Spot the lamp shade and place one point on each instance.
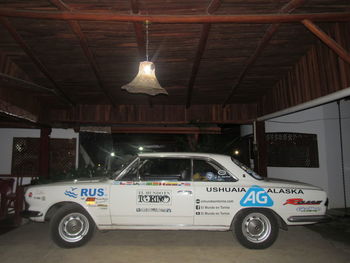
(145, 81)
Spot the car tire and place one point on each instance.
(71, 226)
(256, 228)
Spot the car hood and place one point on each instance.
(74, 181)
(272, 182)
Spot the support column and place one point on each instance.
(260, 149)
(44, 152)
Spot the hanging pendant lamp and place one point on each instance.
(145, 81)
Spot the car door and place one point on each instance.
(154, 191)
(216, 194)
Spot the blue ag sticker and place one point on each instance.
(256, 196)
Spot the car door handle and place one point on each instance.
(185, 192)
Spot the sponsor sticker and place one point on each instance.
(71, 192)
(91, 192)
(152, 183)
(161, 197)
(90, 201)
(153, 210)
(300, 201)
(256, 197)
(310, 209)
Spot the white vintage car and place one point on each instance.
(177, 191)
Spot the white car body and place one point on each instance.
(181, 205)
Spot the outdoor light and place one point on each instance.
(236, 152)
(141, 148)
(112, 154)
(145, 81)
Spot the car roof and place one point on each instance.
(183, 154)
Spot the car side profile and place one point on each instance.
(177, 191)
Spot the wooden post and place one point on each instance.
(261, 149)
(44, 152)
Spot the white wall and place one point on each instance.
(322, 121)
(6, 143)
(6, 140)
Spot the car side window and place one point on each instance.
(132, 173)
(169, 169)
(209, 171)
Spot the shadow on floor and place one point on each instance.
(336, 230)
(6, 225)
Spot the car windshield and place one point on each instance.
(123, 165)
(247, 169)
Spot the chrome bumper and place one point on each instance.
(309, 219)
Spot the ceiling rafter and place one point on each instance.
(57, 89)
(213, 6)
(331, 43)
(177, 19)
(25, 83)
(264, 41)
(75, 27)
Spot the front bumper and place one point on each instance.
(310, 219)
(28, 214)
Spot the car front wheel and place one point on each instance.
(256, 228)
(71, 226)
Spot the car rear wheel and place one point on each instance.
(256, 228)
(71, 226)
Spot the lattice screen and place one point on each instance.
(25, 156)
(62, 155)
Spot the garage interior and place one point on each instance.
(247, 75)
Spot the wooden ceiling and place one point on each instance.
(59, 54)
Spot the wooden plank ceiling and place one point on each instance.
(58, 64)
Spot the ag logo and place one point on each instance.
(256, 196)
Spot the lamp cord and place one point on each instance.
(147, 40)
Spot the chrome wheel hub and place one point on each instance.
(256, 227)
(73, 227)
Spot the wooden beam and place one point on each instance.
(134, 6)
(17, 112)
(75, 27)
(140, 39)
(13, 32)
(197, 59)
(213, 6)
(25, 83)
(261, 150)
(176, 19)
(139, 32)
(331, 43)
(167, 130)
(44, 152)
(271, 30)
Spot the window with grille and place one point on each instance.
(25, 156)
(292, 149)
